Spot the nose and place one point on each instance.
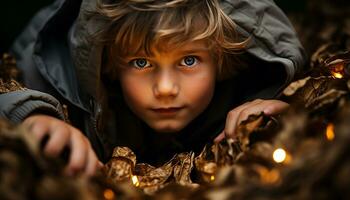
(166, 84)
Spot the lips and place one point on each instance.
(167, 111)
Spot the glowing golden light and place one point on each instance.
(279, 155)
(108, 194)
(135, 181)
(330, 132)
(269, 176)
(212, 178)
(337, 68)
(337, 75)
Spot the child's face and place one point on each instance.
(168, 89)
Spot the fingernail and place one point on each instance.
(267, 111)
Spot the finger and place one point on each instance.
(275, 107)
(220, 137)
(231, 121)
(59, 138)
(39, 130)
(92, 163)
(29, 121)
(254, 108)
(235, 116)
(100, 165)
(79, 153)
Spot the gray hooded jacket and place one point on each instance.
(61, 66)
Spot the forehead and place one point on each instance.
(186, 46)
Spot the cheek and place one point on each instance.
(200, 89)
(134, 90)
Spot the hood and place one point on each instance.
(273, 37)
(273, 40)
(43, 48)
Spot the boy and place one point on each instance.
(156, 76)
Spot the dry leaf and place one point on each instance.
(324, 100)
(205, 165)
(183, 168)
(155, 178)
(293, 87)
(9, 75)
(253, 124)
(121, 166)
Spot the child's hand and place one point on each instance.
(241, 113)
(82, 158)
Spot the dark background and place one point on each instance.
(14, 15)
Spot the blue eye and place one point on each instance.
(189, 61)
(140, 63)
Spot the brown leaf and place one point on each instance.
(324, 100)
(154, 178)
(121, 165)
(205, 165)
(9, 75)
(124, 152)
(119, 169)
(294, 86)
(247, 127)
(303, 91)
(183, 168)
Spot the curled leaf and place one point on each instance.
(326, 99)
(183, 168)
(293, 87)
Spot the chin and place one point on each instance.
(168, 128)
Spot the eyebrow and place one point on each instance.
(186, 50)
(140, 54)
(189, 51)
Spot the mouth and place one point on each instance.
(167, 111)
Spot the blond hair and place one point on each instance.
(135, 25)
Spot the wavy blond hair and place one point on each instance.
(136, 25)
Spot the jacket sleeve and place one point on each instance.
(17, 105)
